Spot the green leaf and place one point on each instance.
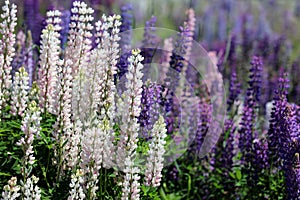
(238, 174)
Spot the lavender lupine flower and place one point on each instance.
(151, 99)
(7, 50)
(49, 58)
(20, 92)
(130, 110)
(155, 159)
(11, 190)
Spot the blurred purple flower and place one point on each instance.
(33, 19)
(148, 45)
(234, 90)
(65, 27)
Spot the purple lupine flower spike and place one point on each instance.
(204, 120)
(260, 155)
(254, 90)
(228, 153)
(150, 102)
(279, 102)
(249, 115)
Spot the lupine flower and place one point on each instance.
(289, 138)
(73, 146)
(7, 50)
(78, 51)
(20, 92)
(49, 58)
(155, 159)
(261, 159)
(91, 159)
(189, 35)
(227, 153)
(11, 190)
(79, 42)
(279, 103)
(105, 55)
(31, 191)
(130, 110)
(249, 115)
(204, 120)
(63, 128)
(151, 99)
(76, 185)
(31, 128)
(173, 78)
